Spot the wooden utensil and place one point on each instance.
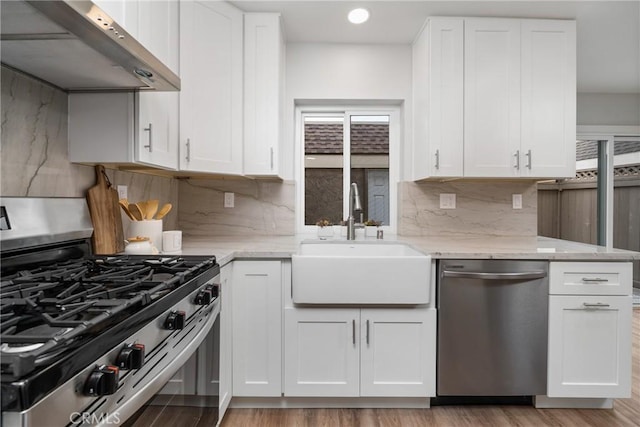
(135, 210)
(142, 205)
(102, 199)
(152, 208)
(164, 211)
(124, 204)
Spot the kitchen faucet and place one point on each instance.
(354, 205)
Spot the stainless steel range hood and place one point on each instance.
(76, 46)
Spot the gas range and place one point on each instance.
(89, 339)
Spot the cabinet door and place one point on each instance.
(157, 125)
(257, 328)
(263, 84)
(157, 129)
(548, 98)
(211, 93)
(226, 343)
(492, 98)
(398, 355)
(158, 30)
(438, 99)
(322, 352)
(446, 97)
(589, 346)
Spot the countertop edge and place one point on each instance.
(230, 249)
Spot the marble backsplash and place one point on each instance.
(483, 208)
(33, 162)
(33, 151)
(261, 207)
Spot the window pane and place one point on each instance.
(370, 165)
(323, 173)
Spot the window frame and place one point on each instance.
(394, 113)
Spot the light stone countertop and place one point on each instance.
(228, 248)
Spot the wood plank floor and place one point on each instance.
(626, 412)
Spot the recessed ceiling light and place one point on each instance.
(358, 16)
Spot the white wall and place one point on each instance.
(609, 109)
(346, 72)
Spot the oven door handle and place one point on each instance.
(538, 274)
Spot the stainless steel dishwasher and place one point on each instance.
(492, 328)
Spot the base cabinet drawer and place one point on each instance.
(589, 346)
(590, 278)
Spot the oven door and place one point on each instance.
(166, 352)
(191, 380)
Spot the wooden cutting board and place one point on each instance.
(108, 237)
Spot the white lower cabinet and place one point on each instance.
(589, 346)
(590, 311)
(398, 352)
(360, 352)
(226, 340)
(322, 352)
(257, 328)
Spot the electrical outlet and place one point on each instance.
(447, 201)
(517, 201)
(122, 192)
(229, 200)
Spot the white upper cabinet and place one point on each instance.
(263, 93)
(211, 94)
(438, 59)
(491, 97)
(139, 128)
(509, 111)
(548, 98)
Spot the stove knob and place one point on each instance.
(131, 357)
(175, 320)
(102, 381)
(204, 297)
(215, 291)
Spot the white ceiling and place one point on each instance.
(608, 31)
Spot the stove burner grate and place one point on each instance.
(58, 305)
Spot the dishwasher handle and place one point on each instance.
(538, 274)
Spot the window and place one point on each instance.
(341, 147)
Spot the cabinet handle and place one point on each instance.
(594, 280)
(528, 159)
(353, 331)
(595, 305)
(495, 276)
(367, 331)
(517, 156)
(150, 146)
(188, 150)
(271, 158)
(437, 159)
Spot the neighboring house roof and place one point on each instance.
(589, 149)
(366, 138)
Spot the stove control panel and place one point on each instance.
(102, 381)
(175, 320)
(131, 357)
(208, 294)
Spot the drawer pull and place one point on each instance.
(594, 280)
(595, 305)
